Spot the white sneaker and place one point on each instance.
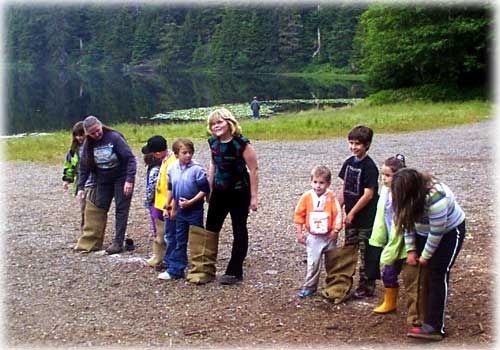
(165, 276)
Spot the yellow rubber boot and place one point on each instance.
(390, 301)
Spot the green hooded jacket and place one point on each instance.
(392, 243)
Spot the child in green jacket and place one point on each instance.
(394, 253)
(384, 236)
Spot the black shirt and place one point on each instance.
(358, 175)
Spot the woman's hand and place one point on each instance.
(128, 187)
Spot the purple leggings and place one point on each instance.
(155, 213)
(391, 273)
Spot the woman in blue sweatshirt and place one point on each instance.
(107, 155)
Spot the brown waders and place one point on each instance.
(203, 247)
(94, 226)
(415, 279)
(159, 246)
(340, 265)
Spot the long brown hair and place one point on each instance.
(409, 188)
(77, 131)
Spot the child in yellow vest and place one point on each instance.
(157, 145)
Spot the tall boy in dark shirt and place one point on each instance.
(359, 196)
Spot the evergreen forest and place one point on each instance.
(394, 46)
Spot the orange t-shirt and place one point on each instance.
(321, 214)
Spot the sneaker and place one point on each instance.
(165, 276)
(425, 332)
(306, 292)
(229, 279)
(114, 248)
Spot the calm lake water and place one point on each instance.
(47, 100)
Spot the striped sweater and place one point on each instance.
(441, 214)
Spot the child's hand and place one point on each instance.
(422, 261)
(411, 259)
(167, 212)
(301, 238)
(253, 204)
(65, 186)
(183, 203)
(81, 195)
(335, 235)
(348, 219)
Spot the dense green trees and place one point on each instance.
(239, 38)
(395, 46)
(415, 45)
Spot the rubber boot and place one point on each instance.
(203, 246)
(159, 246)
(416, 283)
(340, 265)
(93, 228)
(390, 301)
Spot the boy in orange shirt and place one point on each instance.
(320, 212)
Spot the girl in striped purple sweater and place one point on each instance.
(427, 211)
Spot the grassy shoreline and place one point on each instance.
(304, 125)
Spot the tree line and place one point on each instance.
(395, 46)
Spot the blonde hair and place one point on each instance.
(223, 113)
(322, 172)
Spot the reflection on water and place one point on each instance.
(45, 100)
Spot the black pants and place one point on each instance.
(440, 265)
(104, 194)
(236, 203)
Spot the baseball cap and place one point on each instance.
(155, 143)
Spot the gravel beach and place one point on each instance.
(55, 297)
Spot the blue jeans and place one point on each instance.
(256, 114)
(176, 256)
(169, 231)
